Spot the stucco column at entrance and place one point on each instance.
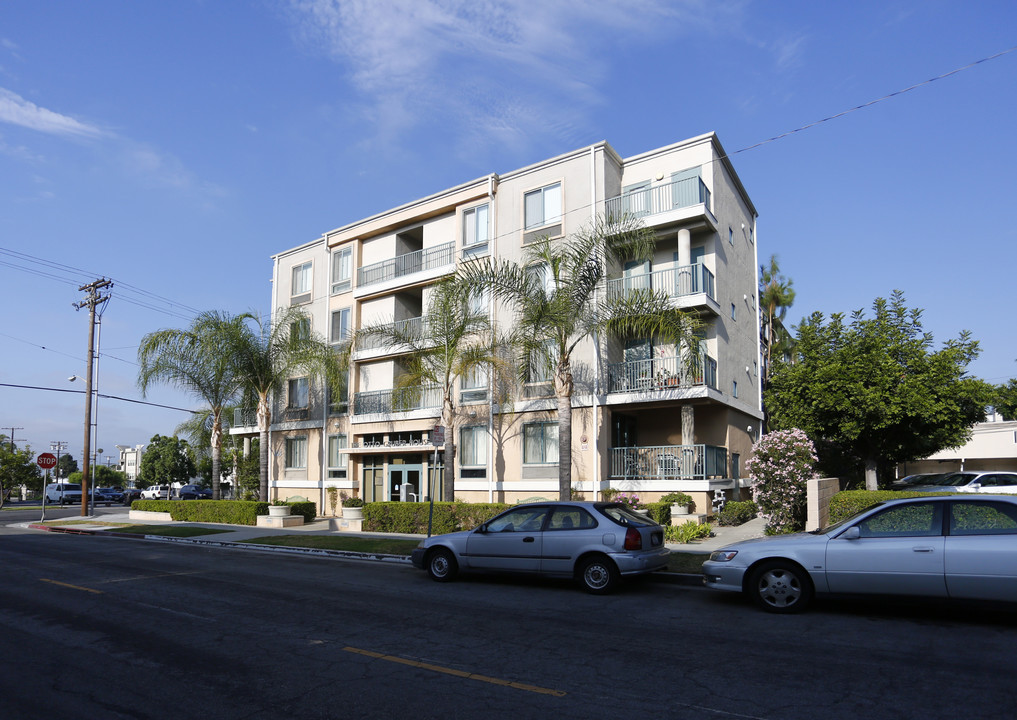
(688, 425)
(684, 248)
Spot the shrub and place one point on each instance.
(687, 532)
(660, 512)
(631, 501)
(353, 502)
(737, 513)
(410, 517)
(845, 504)
(677, 498)
(780, 465)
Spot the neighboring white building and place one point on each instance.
(639, 423)
(130, 461)
(993, 446)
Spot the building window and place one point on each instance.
(340, 325)
(734, 388)
(296, 453)
(300, 286)
(342, 270)
(300, 329)
(479, 302)
(337, 461)
(298, 393)
(543, 206)
(540, 443)
(473, 446)
(730, 236)
(736, 461)
(339, 402)
(475, 231)
(474, 386)
(732, 311)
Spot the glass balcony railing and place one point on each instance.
(660, 373)
(407, 264)
(677, 282)
(669, 462)
(660, 198)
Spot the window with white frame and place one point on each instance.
(299, 393)
(473, 446)
(342, 270)
(337, 460)
(296, 453)
(540, 443)
(300, 329)
(340, 325)
(479, 302)
(300, 285)
(543, 206)
(474, 386)
(475, 230)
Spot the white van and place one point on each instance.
(63, 493)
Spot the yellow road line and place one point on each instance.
(457, 673)
(74, 587)
(152, 577)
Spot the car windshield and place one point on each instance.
(845, 521)
(622, 515)
(954, 480)
(72, 487)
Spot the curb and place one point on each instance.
(686, 579)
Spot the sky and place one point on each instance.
(173, 148)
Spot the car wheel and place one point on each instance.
(780, 586)
(598, 575)
(441, 565)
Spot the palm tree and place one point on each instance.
(268, 355)
(196, 361)
(558, 297)
(453, 340)
(776, 295)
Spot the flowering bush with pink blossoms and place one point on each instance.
(780, 465)
(632, 501)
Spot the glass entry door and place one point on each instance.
(409, 476)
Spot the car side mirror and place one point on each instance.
(482, 529)
(975, 485)
(852, 533)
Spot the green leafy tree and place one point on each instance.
(268, 354)
(67, 465)
(102, 476)
(874, 392)
(454, 339)
(199, 361)
(17, 468)
(246, 470)
(1006, 400)
(165, 461)
(557, 296)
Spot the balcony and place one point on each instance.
(408, 264)
(682, 282)
(244, 418)
(661, 373)
(411, 328)
(659, 199)
(668, 462)
(386, 402)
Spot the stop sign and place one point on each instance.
(46, 461)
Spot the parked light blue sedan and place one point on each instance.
(940, 547)
(596, 543)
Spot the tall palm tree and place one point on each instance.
(268, 355)
(776, 296)
(453, 340)
(558, 298)
(197, 361)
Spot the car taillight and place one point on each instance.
(633, 540)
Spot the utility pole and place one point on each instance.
(12, 429)
(93, 300)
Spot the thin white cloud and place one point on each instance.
(506, 65)
(15, 110)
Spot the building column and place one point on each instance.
(684, 247)
(688, 425)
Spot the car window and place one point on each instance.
(622, 515)
(983, 518)
(911, 520)
(571, 518)
(522, 519)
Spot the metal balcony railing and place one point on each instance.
(660, 198)
(397, 400)
(676, 282)
(412, 327)
(407, 264)
(661, 373)
(669, 462)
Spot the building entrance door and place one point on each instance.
(404, 482)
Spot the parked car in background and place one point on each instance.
(953, 546)
(107, 496)
(63, 493)
(130, 495)
(595, 543)
(988, 481)
(156, 492)
(906, 483)
(194, 492)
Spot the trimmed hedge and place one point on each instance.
(660, 512)
(231, 512)
(847, 503)
(737, 512)
(410, 517)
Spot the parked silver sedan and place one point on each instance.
(596, 543)
(962, 547)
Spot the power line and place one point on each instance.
(101, 395)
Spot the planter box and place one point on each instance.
(278, 510)
(150, 515)
(353, 513)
